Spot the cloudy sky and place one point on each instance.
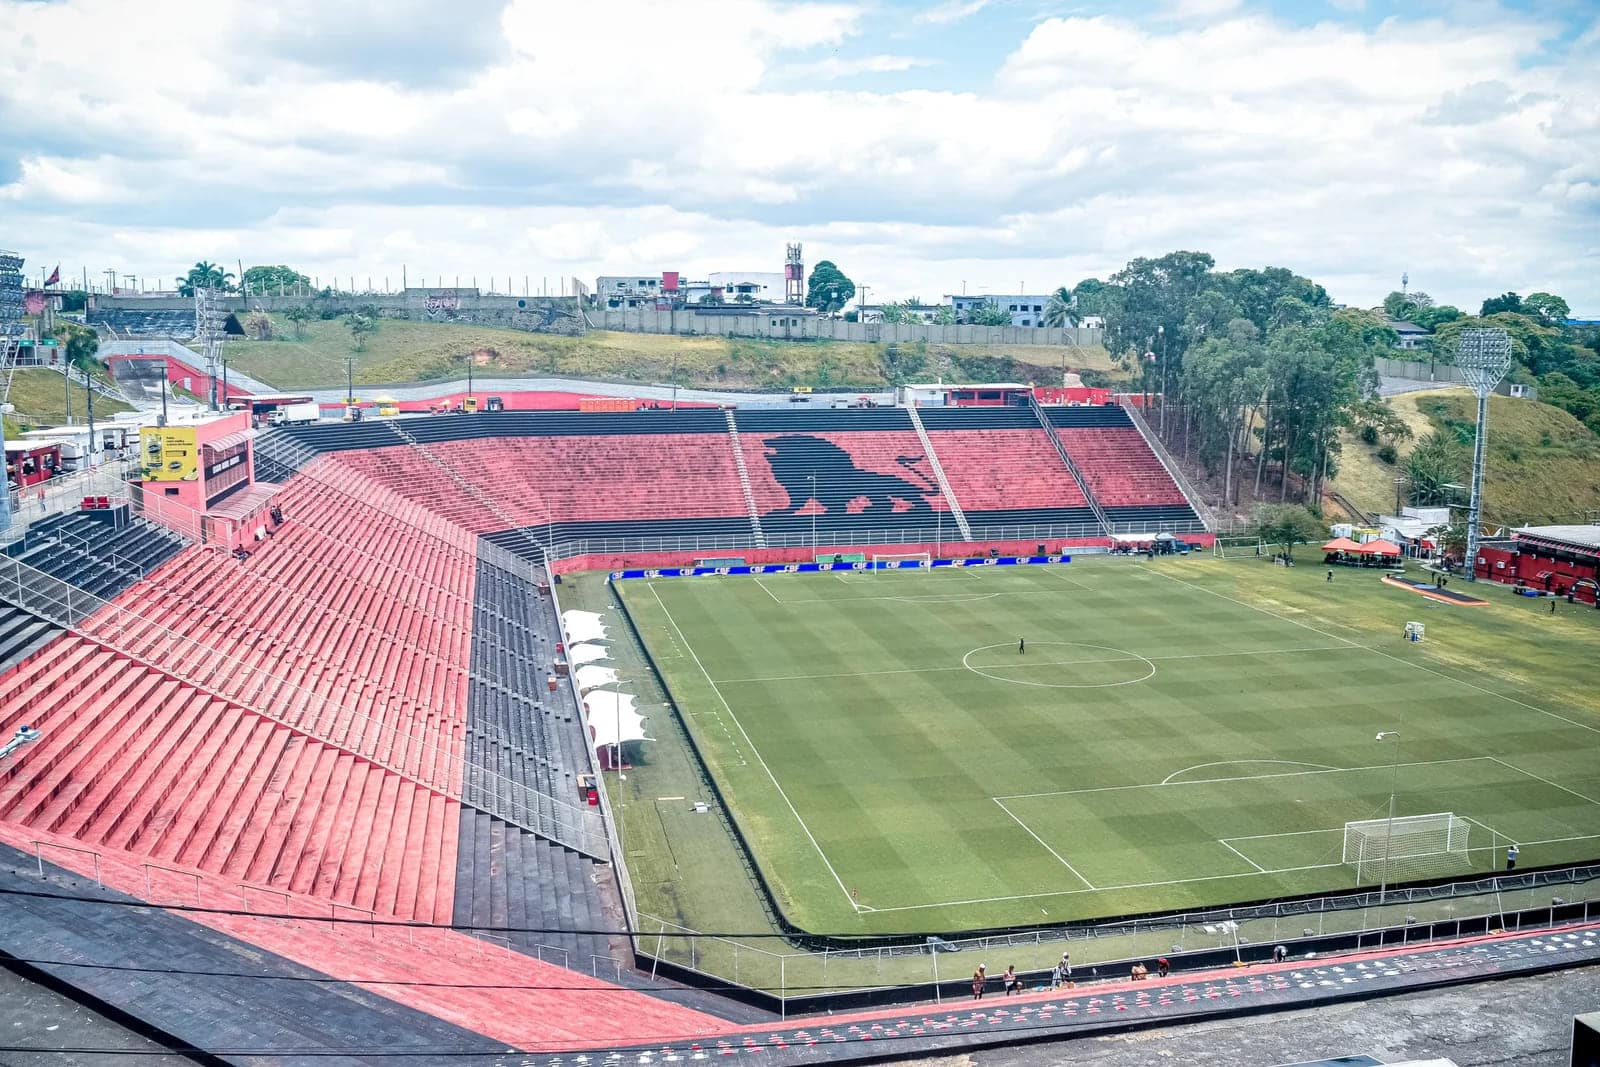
(924, 145)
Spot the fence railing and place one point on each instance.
(1157, 446)
(432, 761)
(775, 967)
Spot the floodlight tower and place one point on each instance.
(1484, 356)
(12, 331)
(208, 330)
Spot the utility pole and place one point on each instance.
(88, 397)
(349, 382)
(165, 370)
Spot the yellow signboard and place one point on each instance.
(170, 454)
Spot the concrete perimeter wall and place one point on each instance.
(552, 314)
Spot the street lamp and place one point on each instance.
(1388, 832)
(1161, 347)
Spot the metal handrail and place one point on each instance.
(1157, 447)
(424, 762)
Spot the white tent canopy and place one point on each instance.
(592, 677)
(612, 719)
(586, 653)
(583, 625)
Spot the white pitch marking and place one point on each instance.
(757, 752)
(1231, 762)
(1242, 778)
(769, 592)
(1026, 829)
(1241, 855)
(1546, 781)
(1385, 655)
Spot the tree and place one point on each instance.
(269, 281)
(711, 300)
(205, 275)
(895, 313)
(1504, 302)
(945, 316)
(300, 314)
(1058, 312)
(81, 343)
(1547, 308)
(828, 290)
(986, 313)
(361, 328)
(1287, 525)
(1438, 462)
(259, 325)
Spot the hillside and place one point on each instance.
(40, 399)
(1543, 465)
(403, 352)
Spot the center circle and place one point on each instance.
(1098, 666)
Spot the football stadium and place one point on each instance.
(661, 732)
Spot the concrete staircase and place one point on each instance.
(1061, 450)
(744, 479)
(938, 473)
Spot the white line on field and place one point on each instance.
(1546, 781)
(1245, 778)
(1234, 762)
(1036, 663)
(755, 751)
(1241, 855)
(1026, 829)
(769, 592)
(1104, 888)
(1286, 833)
(1385, 655)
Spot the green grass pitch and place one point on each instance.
(897, 764)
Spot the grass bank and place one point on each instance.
(1543, 465)
(403, 352)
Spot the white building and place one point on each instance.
(748, 286)
(627, 290)
(1024, 310)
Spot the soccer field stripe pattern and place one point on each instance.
(1154, 746)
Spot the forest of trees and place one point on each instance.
(1259, 363)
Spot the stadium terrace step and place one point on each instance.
(100, 552)
(133, 759)
(22, 633)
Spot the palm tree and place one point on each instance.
(1058, 312)
(205, 275)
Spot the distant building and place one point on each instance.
(628, 290)
(1025, 310)
(1411, 335)
(748, 286)
(923, 313)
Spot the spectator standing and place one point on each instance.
(1511, 856)
(1163, 968)
(1010, 982)
(979, 980)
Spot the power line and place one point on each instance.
(320, 979)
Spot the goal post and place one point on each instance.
(899, 560)
(1239, 548)
(1407, 848)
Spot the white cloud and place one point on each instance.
(950, 11)
(704, 136)
(834, 68)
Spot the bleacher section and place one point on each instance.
(858, 474)
(1122, 472)
(133, 323)
(1006, 474)
(102, 552)
(21, 634)
(134, 759)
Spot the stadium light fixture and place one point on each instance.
(25, 735)
(1388, 833)
(1484, 356)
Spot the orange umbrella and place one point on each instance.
(1380, 548)
(1341, 544)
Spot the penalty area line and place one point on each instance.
(1029, 831)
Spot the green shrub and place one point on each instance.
(1388, 455)
(1369, 435)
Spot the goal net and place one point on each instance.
(901, 560)
(1408, 847)
(1239, 547)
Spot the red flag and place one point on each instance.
(55, 276)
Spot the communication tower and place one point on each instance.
(794, 276)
